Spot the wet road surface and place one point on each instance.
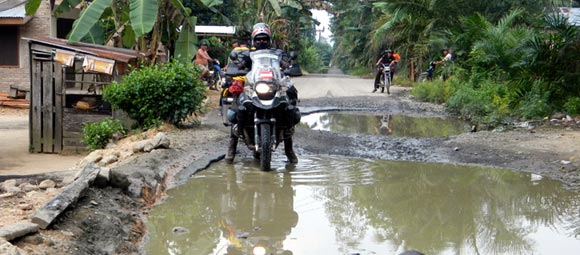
(338, 205)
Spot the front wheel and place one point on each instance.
(423, 77)
(388, 83)
(382, 83)
(265, 146)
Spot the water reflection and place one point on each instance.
(332, 205)
(385, 124)
(231, 213)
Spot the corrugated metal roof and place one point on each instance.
(215, 29)
(573, 15)
(118, 54)
(14, 12)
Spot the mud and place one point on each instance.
(109, 221)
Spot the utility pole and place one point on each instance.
(319, 31)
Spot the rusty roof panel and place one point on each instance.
(118, 54)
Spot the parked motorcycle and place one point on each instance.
(290, 66)
(215, 76)
(266, 109)
(428, 75)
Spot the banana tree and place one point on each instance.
(140, 24)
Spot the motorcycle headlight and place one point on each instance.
(259, 250)
(263, 88)
(265, 91)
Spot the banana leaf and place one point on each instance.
(276, 7)
(87, 20)
(185, 46)
(143, 15)
(32, 6)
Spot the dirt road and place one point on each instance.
(14, 141)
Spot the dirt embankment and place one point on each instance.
(110, 220)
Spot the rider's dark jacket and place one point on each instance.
(386, 59)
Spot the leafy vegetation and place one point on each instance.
(518, 48)
(514, 59)
(168, 92)
(96, 135)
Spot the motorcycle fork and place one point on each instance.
(257, 133)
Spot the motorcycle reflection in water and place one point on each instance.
(270, 199)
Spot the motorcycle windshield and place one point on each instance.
(265, 66)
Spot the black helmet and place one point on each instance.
(261, 36)
(388, 51)
(203, 43)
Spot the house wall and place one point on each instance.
(40, 25)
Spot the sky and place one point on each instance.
(324, 19)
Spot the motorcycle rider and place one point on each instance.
(261, 39)
(388, 59)
(240, 49)
(202, 59)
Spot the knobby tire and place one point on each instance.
(265, 147)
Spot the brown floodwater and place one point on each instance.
(340, 205)
(384, 124)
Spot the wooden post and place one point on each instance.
(36, 106)
(59, 105)
(47, 107)
(69, 195)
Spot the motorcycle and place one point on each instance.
(215, 76)
(428, 75)
(289, 65)
(266, 108)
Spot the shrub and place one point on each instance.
(572, 105)
(535, 103)
(97, 134)
(435, 92)
(486, 103)
(168, 92)
(363, 72)
(535, 106)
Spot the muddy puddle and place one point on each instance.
(384, 124)
(338, 205)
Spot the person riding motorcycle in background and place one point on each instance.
(202, 59)
(261, 39)
(388, 59)
(241, 47)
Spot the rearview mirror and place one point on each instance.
(234, 56)
(293, 55)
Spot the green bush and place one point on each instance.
(535, 103)
(435, 92)
(362, 72)
(535, 107)
(97, 134)
(572, 105)
(168, 92)
(486, 103)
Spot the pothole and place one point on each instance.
(385, 124)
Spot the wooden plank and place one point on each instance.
(36, 107)
(72, 128)
(69, 195)
(47, 107)
(59, 105)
